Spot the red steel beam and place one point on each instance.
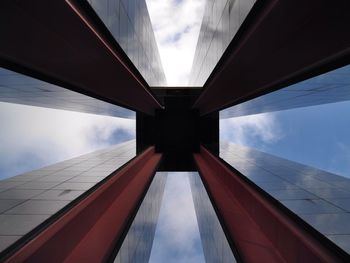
(260, 231)
(58, 42)
(280, 43)
(89, 231)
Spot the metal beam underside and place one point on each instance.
(90, 230)
(62, 43)
(257, 228)
(280, 43)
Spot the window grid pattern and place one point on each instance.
(137, 244)
(320, 198)
(21, 89)
(221, 21)
(330, 87)
(28, 199)
(129, 22)
(214, 242)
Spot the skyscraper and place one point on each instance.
(251, 206)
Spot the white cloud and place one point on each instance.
(251, 130)
(339, 161)
(31, 137)
(177, 235)
(176, 25)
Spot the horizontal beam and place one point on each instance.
(260, 231)
(62, 43)
(279, 43)
(89, 231)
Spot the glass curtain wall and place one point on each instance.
(330, 87)
(138, 242)
(221, 21)
(129, 22)
(21, 89)
(311, 135)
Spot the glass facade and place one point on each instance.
(214, 242)
(320, 198)
(21, 89)
(329, 87)
(138, 242)
(221, 21)
(28, 199)
(128, 21)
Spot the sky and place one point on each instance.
(317, 136)
(176, 25)
(177, 238)
(32, 137)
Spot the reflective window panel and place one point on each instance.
(330, 87)
(215, 245)
(128, 21)
(177, 238)
(28, 199)
(320, 198)
(21, 89)
(221, 21)
(137, 245)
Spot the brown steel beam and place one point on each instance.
(280, 43)
(259, 230)
(89, 231)
(62, 43)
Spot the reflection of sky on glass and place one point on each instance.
(317, 136)
(329, 87)
(22, 89)
(33, 137)
(177, 236)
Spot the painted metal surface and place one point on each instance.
(279, 43)
(259, 230)
(75, 54)
(89, 231)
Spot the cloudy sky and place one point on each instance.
(176, 25)
(177, 238)
(33, 137)
(317, 136)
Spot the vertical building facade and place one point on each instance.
(215, 245)
(21, 89)
(221, 21)
(137, 244)
(130, 25)
(29, 199)
(318, 197)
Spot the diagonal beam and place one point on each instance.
(60, 42)
(260, 231)
(280, 43)
(90, 230)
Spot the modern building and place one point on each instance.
(251, 206)
(215, 244)
(221, 21)
(130, 27)
(137, 244)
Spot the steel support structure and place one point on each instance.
(91, 229)
(61, 42)
(279, 43)
(257, 228)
